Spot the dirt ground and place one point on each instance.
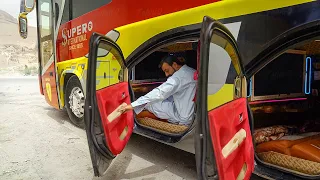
(38, 142)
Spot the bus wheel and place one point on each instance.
(74, 101)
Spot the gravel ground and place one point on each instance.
(38, 142)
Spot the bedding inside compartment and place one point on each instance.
(286, 122)
(301, 155)
(289, 140)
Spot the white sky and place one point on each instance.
(13, 7)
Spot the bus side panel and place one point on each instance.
(73, 37)
(248, 13)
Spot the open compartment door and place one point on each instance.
(231, 139)
(108, 131)
(224, 148)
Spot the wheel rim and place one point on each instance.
(76, 102)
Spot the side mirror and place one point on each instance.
(23, 26)
(27, 6)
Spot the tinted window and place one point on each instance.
(223, 59)
(284, 75)
(66, 12)
(149, 67)
(81, 7)
(57, 12)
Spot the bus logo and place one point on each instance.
(74, 37)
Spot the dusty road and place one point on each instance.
(38, 142)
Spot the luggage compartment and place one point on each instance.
(289, 140)
(147, 75)
(285, 104)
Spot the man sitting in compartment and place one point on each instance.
(172, 100)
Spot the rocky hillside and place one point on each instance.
(17, 55)
(7, 18)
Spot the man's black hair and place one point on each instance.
(170, 59)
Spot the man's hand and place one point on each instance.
(125, 108)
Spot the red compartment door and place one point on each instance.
(232, 140)
(118, 131)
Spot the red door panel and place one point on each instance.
(118, 131)
(232, 140)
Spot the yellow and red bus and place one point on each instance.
(95, 55)
(65, 28)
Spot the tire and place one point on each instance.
(74, 102)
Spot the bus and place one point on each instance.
(256, 65)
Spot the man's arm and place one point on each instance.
(159, 93)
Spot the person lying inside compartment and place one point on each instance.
(172, 100)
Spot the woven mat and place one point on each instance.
(290, 162)
(162, 126)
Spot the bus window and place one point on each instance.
(66, 12)
(81, 7)
(57, 13)
(46, 31)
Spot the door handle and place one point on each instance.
(115, 113)
(233, 144)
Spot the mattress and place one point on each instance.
(145, 114)
(149, 120)
(283, 146)
(295, 164)
(302, 155)
(309, 150)
(162, 126)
